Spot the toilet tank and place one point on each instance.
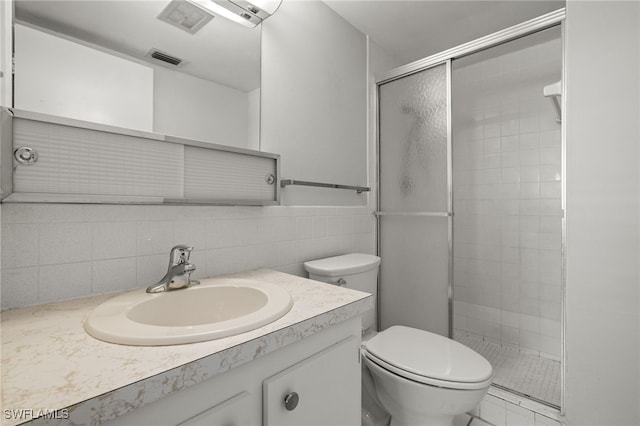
(356, 271)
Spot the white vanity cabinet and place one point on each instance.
(316, 391)
(319, 376)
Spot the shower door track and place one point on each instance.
(532, 398)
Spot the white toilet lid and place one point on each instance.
(428, 355)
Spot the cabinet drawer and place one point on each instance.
(232, 412)
(312, 385)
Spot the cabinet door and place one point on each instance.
(232, 412)
(326, 387)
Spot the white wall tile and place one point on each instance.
(494, 411)
(510, 127)
(518, 416)
(510, 143)
(220, 233)
(150, 269)
(19, 245)
(114, 240)
(550, 155)
(155, 237)
(192, 233)
(540, 420)
(64, 281)
(64, 243)
(20, 287)
(249, 231)
(550, 346)
(530, 174)
(133, 243)
(529, 157)
(109, 276)
(529, 141)
(220, 261)
(319, 227)
(304, 227)
(529, 123)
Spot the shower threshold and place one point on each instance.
(523, 374)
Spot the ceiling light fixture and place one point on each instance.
(247, 13)
(186, 16)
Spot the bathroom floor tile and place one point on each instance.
(527, 374)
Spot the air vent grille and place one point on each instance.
(161, 56)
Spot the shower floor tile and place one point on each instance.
(529, 375)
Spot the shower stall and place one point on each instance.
(470, 223)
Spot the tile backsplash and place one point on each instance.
(60, 251)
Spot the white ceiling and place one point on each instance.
(227, 52)
(412, 30)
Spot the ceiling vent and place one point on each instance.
(164, 57)
(185, 15)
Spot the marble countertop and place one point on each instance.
(51, 367)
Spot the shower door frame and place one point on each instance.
(541, 23)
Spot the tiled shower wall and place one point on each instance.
(507, 198)
(60, 251)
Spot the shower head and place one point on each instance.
(554, 89)
(554, 92)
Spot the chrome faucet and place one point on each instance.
(179, 272)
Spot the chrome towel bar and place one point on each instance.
(431, 214)
(358, 189)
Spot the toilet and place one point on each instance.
(419, 378)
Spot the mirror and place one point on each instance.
(91, 60)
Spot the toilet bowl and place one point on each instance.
(422, 378)
(419, 378)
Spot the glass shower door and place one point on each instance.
(414, 217)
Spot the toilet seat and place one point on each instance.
(428, 358)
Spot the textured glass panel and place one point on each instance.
(413, 178)
(414, 272)
(413, 142)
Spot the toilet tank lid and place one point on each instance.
(342, 265)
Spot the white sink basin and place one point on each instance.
(216, 308)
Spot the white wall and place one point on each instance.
(59, 77)
(602, 134)
(6, 42)
(314, 101)
(381, 61)
(253, 120)
(194, 108)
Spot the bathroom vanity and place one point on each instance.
(283, 373)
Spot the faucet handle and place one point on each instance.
(179, 254)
